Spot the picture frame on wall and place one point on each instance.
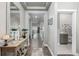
(50, 21)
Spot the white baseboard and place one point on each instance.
(49, 49)
(77, 54)
(45, 45)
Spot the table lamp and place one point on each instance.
(6, 38)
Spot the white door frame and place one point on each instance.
(73, 28)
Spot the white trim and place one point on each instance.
(73, 27)
(13, 11)
(77, 54)
(13, 7)
(45, 44)
(18, 5)
(35, 11)
(49, 49)
(74, 33)
(66, 10)
(36, 7)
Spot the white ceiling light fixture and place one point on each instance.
(36, 16)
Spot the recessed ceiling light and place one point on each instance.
(36, 16)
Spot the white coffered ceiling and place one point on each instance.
(36, 18)
(40, 4)
(13, 6)
(32, 5)
(35, 5)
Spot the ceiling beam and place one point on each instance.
(18, 5)
(13, 7)
(24, 5)
(48, 5)
(36, 7)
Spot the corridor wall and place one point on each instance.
(53, 28)
(3, 18)
(72, 5)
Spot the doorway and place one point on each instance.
(36, 33)
(66, 42)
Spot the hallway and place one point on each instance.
(38, 49)
(55, 25)
(37, 46)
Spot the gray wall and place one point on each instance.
(3, 18)
(52, 28)
(72, 5)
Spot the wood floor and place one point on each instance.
(65, 55)
(44, 51)
(37, 49)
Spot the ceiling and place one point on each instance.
(36, 18)
(40, 4)
(32, 5)
(35, 5)
(13, 6)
